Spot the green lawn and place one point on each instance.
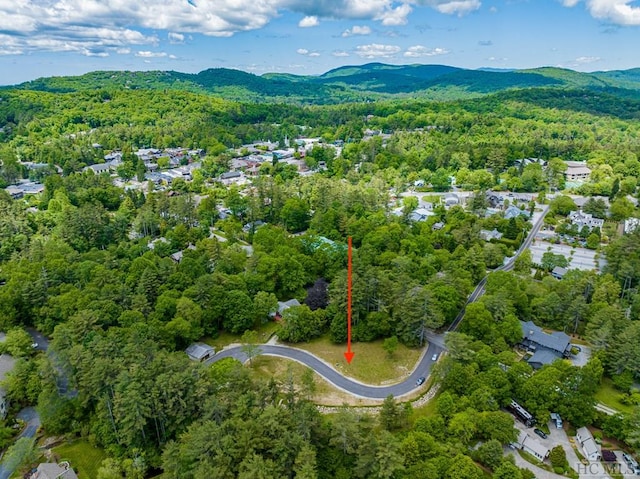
(609, 396)
(224, 338)
(84, 458)
(370, 364)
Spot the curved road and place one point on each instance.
(423, 369)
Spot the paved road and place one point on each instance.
(336, 378)
(30, 416)
(423, 369)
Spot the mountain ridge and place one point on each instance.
(368, 82)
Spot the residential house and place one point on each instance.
(630, 225)
(451, 199)
(420, 214)
(532, 446)
(514, 212)
(48, 470)
(230, 177)
(200, 351)
(546, 347)
(577, 171)
(588, 444)
(178, 255)
(581, 219)
(283, 306)
(15, 192)
(530, 161)
(419, 183)
(558, 272)
(98, 168)
(487, 235)
(437, 226)
(6, 365)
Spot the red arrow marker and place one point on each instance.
(349, 355)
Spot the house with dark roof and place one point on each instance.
(545, 347)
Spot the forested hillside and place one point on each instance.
(368, 82)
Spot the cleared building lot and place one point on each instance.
(579, 258)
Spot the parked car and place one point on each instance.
(434, 357)
(540, 433)
(627, 458)
(420, 381)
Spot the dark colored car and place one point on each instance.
(420, 381)
(540, 433)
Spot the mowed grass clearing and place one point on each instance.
(84, 458)
(370, 365)
(610, 396)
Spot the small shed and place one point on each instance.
(200, 351)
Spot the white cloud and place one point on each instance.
(418, 51)
(90, 53)
(123, 51)
(586, 60)
(309, 21)
(395, 16)
(175, 37)
(356, 30)
(620, 12)
(451, 7)
(340, 54)
(108, 25)
(307, 53)
(377, 50)
(148, 54)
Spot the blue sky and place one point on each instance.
(64, 37)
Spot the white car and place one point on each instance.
(434, 357)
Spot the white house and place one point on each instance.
(581, 219)
(532, 446)
(588, 444)
(577, 171)
(631, 224)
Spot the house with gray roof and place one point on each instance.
(532, 446)
(98, 168)
(49, 470)
(514, 212)
(588, 444)
(283, 306)
(545, 347)
(200, 351)
(487, 235)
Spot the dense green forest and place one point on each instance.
(77, 266)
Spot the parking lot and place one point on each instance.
(579, 258)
